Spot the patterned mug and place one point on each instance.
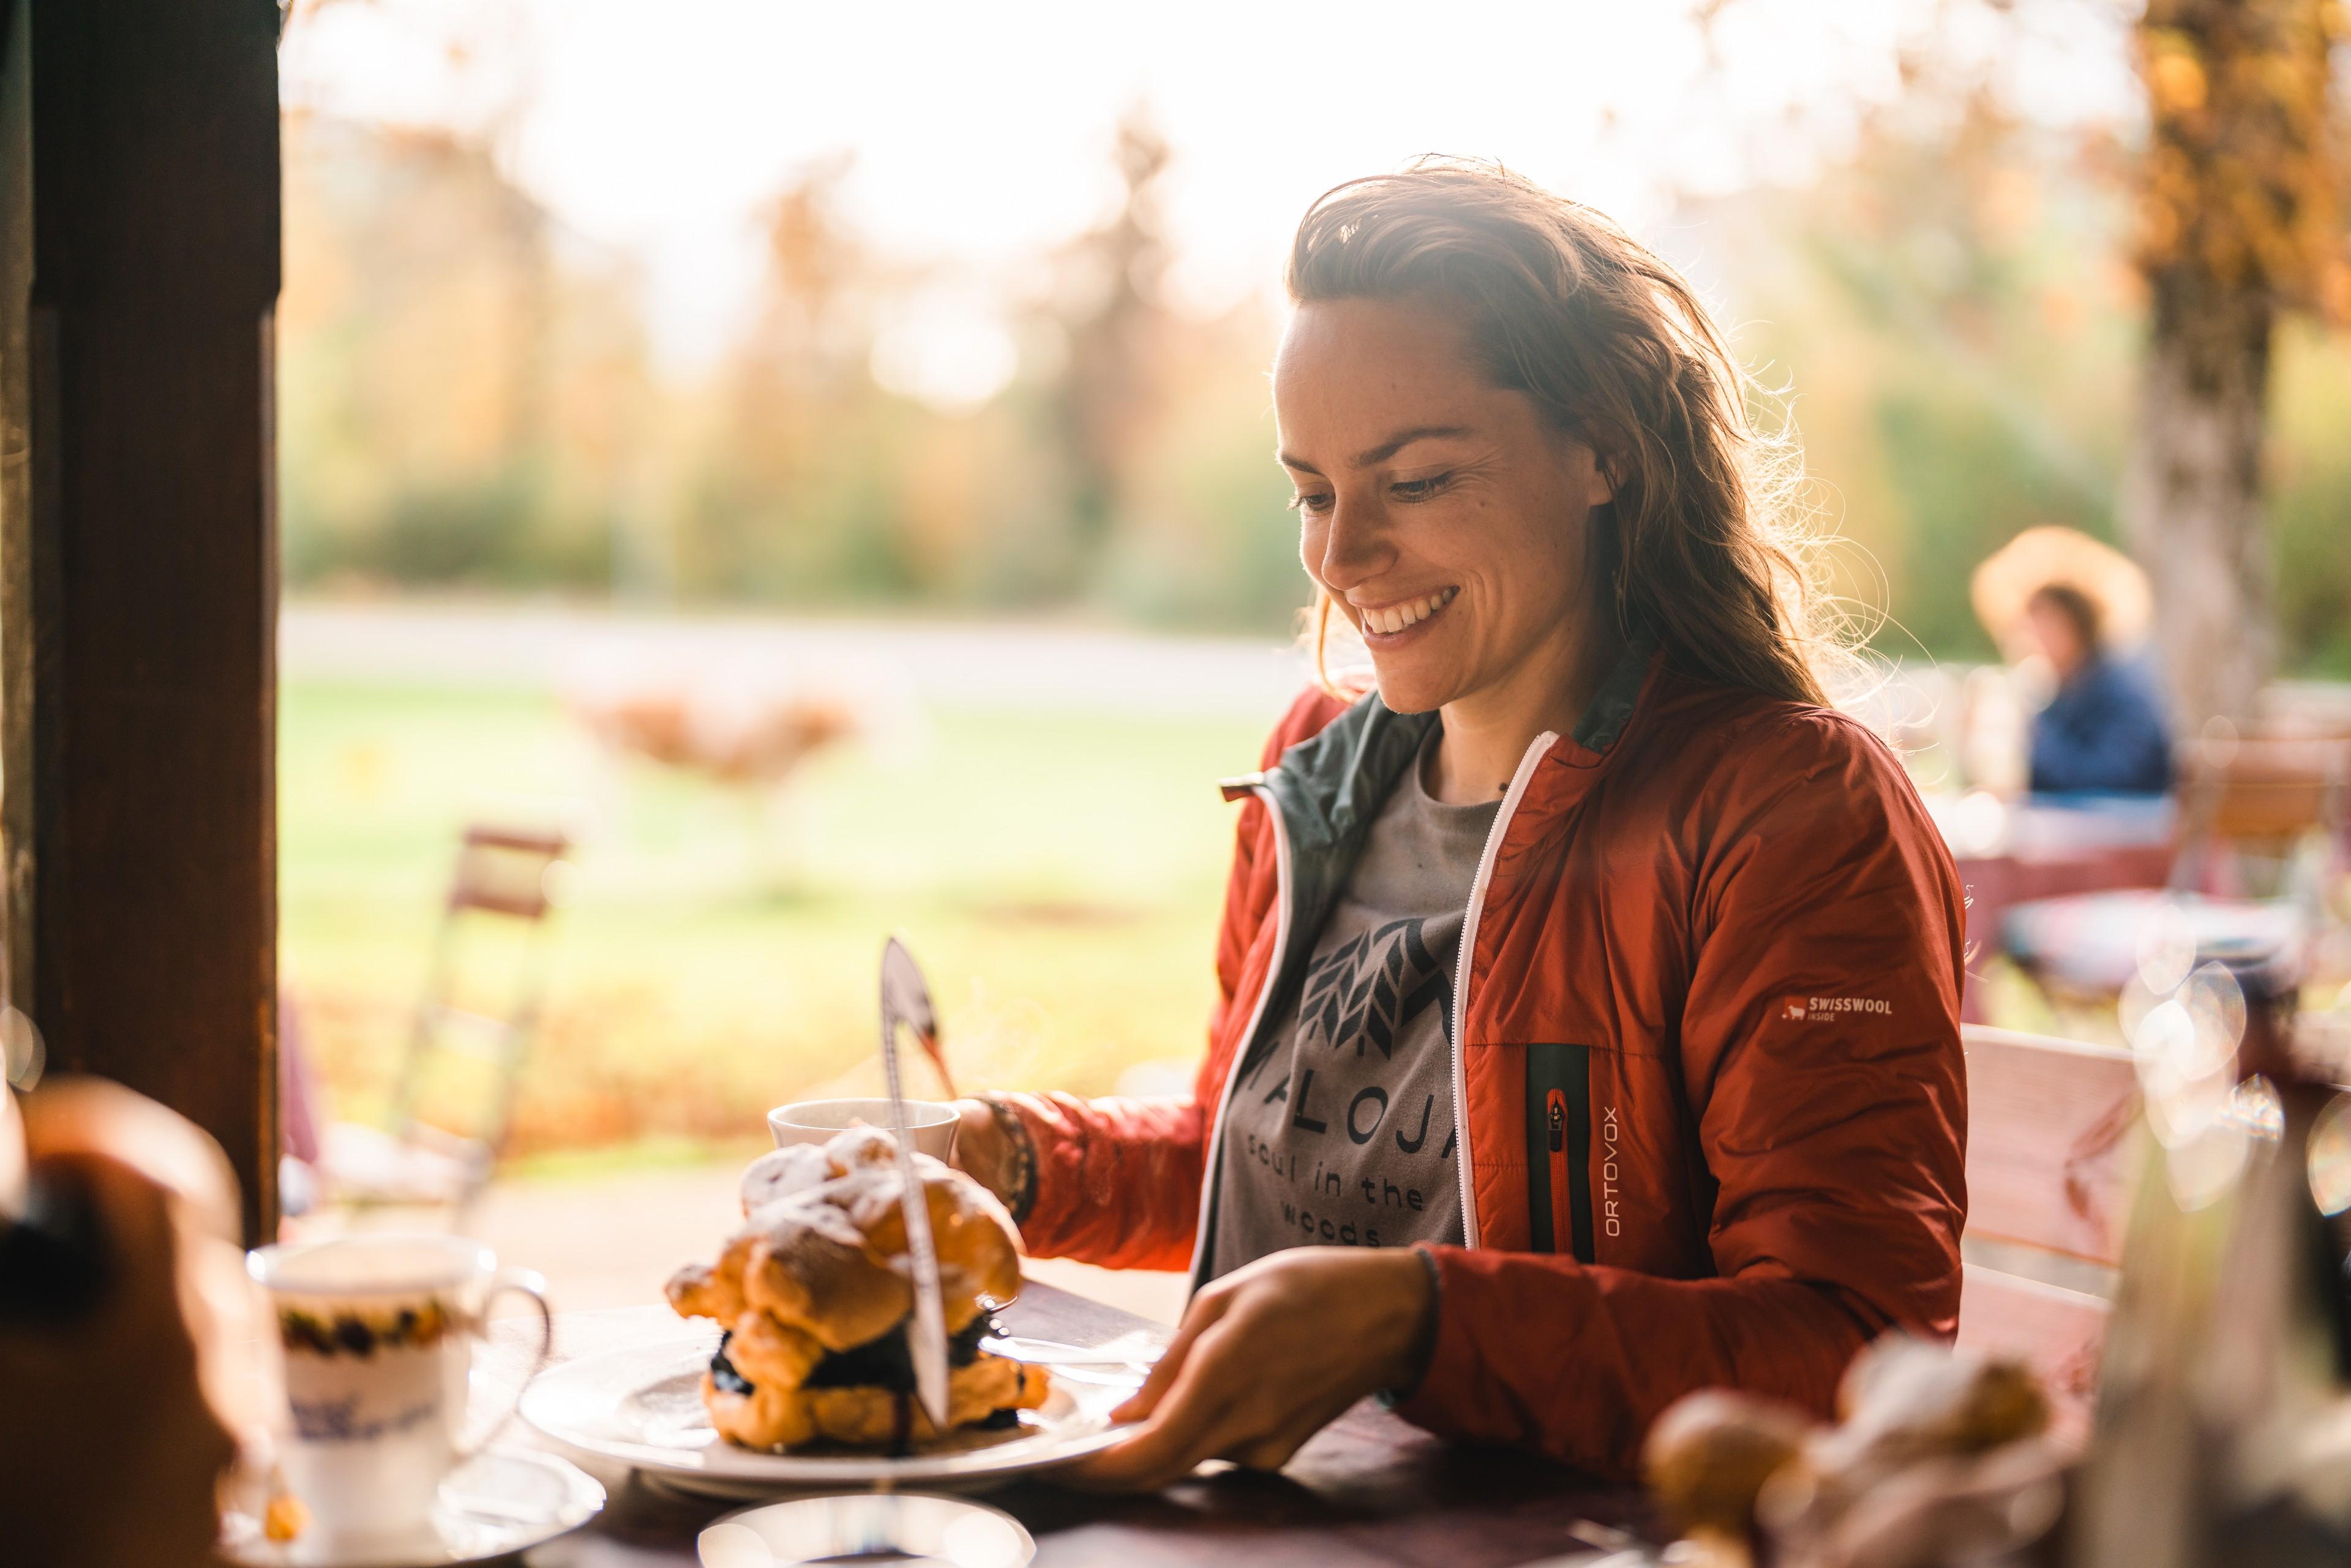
(379, 1333)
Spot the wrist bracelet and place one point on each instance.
(1424, 1349)
(1019, 1158)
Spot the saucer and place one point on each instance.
(496, 1503)
(947, 1531)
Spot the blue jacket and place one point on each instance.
(2103, 731)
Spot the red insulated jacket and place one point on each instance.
(1711, 1105)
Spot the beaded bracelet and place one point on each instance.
(1020, 1158)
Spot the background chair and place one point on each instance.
(453, 1107)
(2263, 817)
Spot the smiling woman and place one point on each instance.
(1470, 286)
(1507, 1110)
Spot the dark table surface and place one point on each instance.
(1369, 1489)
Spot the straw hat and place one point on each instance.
(2038, 558)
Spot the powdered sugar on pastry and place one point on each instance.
(819, 1270)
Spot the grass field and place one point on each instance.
(1057, 874)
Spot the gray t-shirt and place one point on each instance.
(1343, 1134)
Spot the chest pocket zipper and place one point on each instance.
(1559, 1149)
(1561, 1202)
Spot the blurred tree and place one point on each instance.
(794, 496)
(2237, 219)
(462, 388)
(2232, 220)
(1116, 332)
(1961, 243)
(1206, 537)
(1950, 293)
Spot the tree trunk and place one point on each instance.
(2191, 498)
(2237, 202)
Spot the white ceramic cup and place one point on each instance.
(932, 1121)
(379, 1333)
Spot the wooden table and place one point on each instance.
(1370, 1491)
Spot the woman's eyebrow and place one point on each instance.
(1384, 451)
(1404, 438)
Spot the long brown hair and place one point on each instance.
(1701, 546)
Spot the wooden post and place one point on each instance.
(139, 268)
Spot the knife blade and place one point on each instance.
(905, 1000)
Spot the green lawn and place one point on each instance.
(1057, 874)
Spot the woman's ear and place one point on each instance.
(1601, 483)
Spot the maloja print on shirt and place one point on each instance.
(1342, 1134)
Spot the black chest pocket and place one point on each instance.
(1558, 1148)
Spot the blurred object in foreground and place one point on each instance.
(453, 1105)
(1937, 1455)
(2224, 1412)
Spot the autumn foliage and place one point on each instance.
(2243, 178)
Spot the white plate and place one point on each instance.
(494, 1505)
(642, 1407)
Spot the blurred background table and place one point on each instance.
(1369, 1489)
(2013, 852)
(1996, 884)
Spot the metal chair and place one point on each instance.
(501, 875)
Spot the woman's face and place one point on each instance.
(2054, 632)
(1444, 516)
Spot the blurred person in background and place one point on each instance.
(1588, 1029)
(2061, 597)
(114, 1416)
(2101, 731)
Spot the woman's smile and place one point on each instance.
(1394, 623)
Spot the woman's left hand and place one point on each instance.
(1266, 1357)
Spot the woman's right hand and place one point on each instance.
(981, 1151)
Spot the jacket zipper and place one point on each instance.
(1559, 1149)
(1536, 751)
(1282, 876)
(1560, 1202)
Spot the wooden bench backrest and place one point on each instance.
(2048, 1138)
(2057, 1332)
(2048, 1125)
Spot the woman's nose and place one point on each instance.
(1355, 548)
